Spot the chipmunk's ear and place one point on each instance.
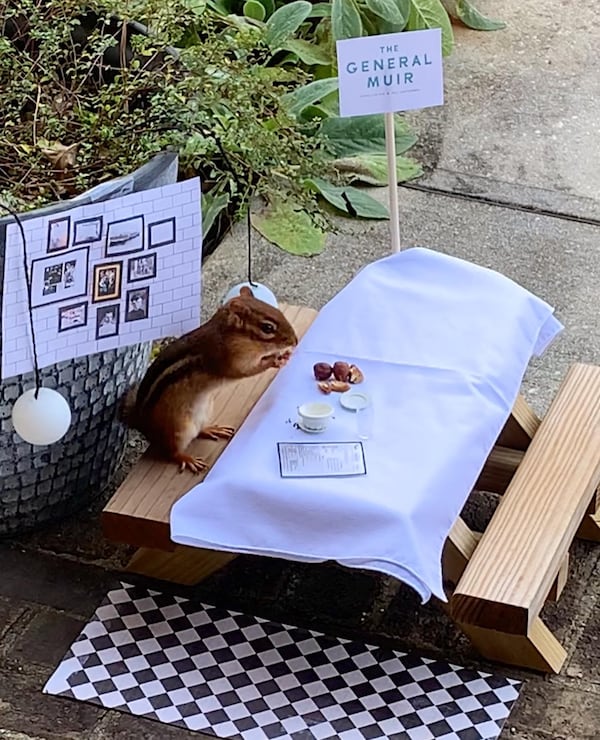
(238, 313)
(245, 290)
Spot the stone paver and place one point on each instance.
(519, 129)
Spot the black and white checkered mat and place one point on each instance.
(237, 676)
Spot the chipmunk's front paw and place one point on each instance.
(195, 464)
(282, 358)
(275, 359)
(217, 432)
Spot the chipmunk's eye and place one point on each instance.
(267, 327)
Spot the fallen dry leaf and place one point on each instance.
(62, 157)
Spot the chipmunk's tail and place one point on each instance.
(126, 411)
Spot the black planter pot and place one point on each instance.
(42, 484)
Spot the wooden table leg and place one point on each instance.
(538, 650)
(458, 550)
(520, 427)
(516, 435)
(590, 526)
(186, 566)
(524, 550)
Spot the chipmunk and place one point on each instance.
(172, 405)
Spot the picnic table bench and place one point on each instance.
(548, 472)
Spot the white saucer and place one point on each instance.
(354, 400)
(310, 431)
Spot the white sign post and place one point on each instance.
(388, 73)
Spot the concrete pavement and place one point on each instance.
(513, 183)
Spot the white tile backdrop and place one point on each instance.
(174, 305)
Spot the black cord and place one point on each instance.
(36, 368)
(211, 134)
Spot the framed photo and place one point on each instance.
(107, 321)
(124, 236)
(73, 316)
(161, 232)
(136, 304)
(68, 277)
(87, 230)
(53, 275)
(58, 234)
(59, 277)
(107, 281)
(141, 268)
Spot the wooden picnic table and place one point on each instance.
(548, 472)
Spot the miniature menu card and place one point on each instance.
(320, 460)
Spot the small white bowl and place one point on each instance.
(314, 417)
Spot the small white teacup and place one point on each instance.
(314, 417)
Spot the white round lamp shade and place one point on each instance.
(42, 420)
(259, 291)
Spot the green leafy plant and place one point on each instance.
(341, 19)
(246, 92)
(87, 97)
(304, 34)
(100, 95)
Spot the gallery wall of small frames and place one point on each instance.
(104, 275)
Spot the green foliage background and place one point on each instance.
(244, 90)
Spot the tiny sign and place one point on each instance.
(390, 72)
(320, 460)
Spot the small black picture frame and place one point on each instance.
(107, 320)
(72, 316)
(161, 233)
(58, 234)
(137, 304)
(59, 277)
(87, 230)
(107, 281)
(124, 236)
(142, 267)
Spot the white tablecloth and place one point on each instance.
(444, 345)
